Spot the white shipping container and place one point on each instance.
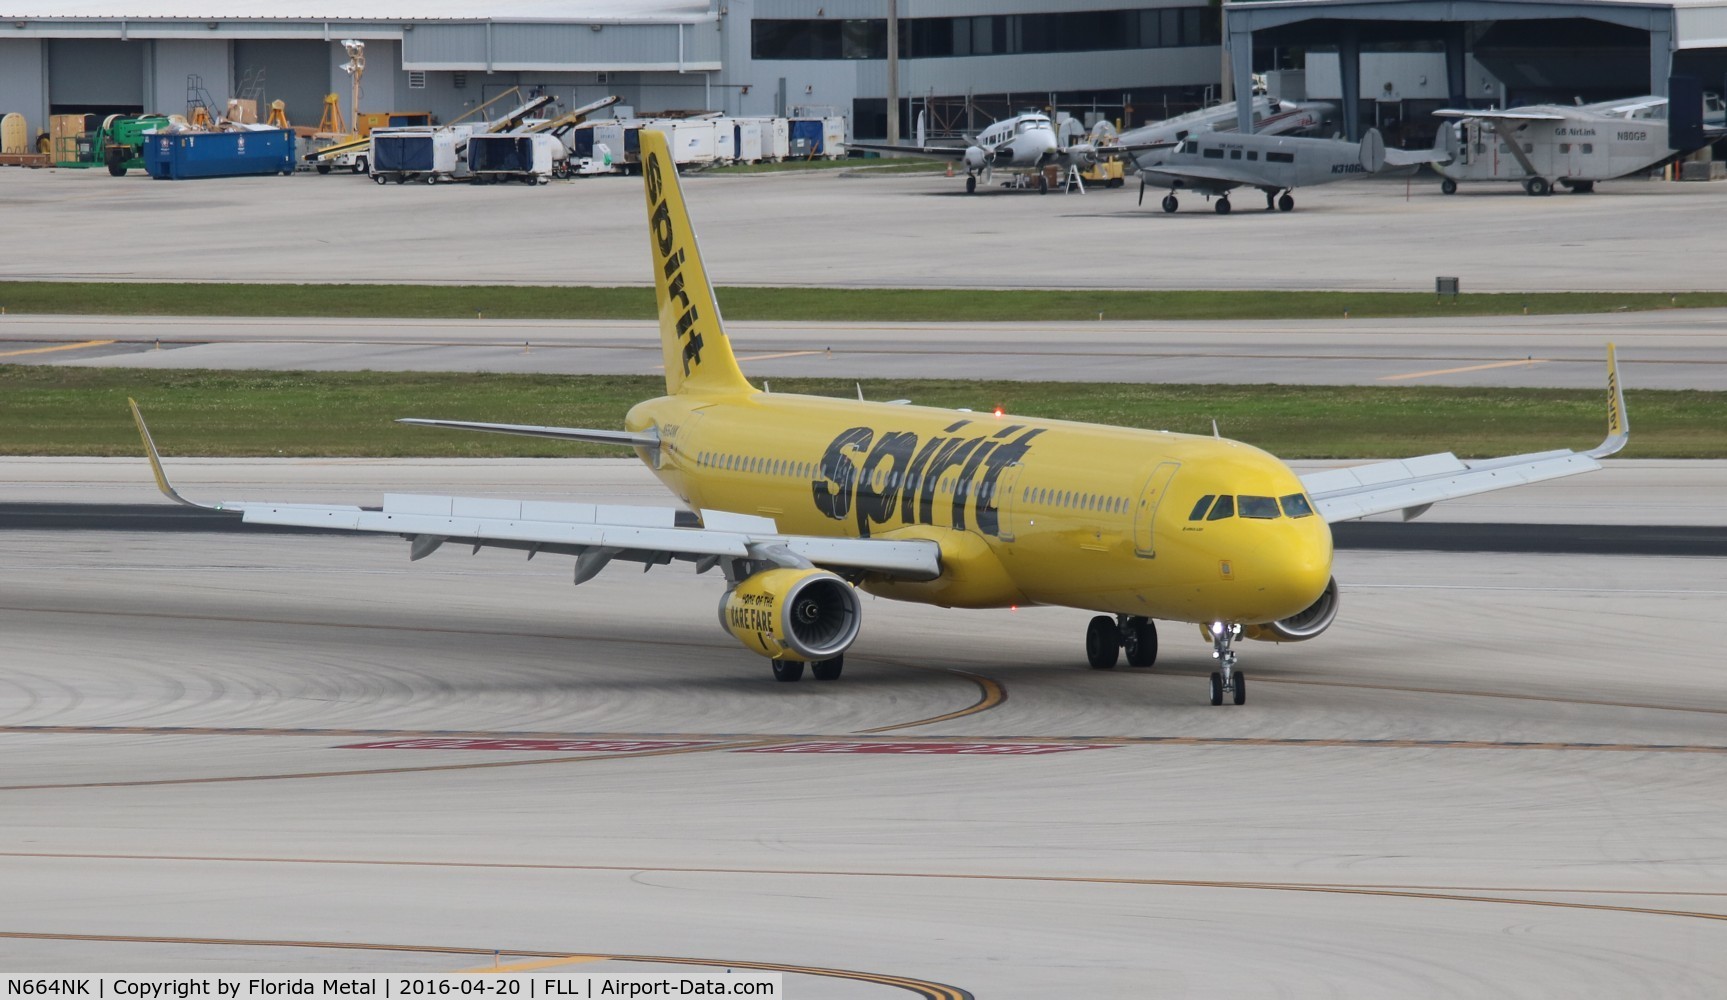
(747, 137)
(691, 141)
(725, 141)
(834, 138)
(775, 136)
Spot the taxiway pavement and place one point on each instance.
(1676, 349)
(829, 228)
(1495, 776)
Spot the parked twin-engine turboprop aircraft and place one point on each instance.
(1023, 142)
(1543, 144)
(801, 501)
(1216, 163)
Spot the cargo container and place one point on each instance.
(175, 156)
(691, 140)
(747, 141)
(725, 141)
(775, 136)
(417, 154)
(528, 158)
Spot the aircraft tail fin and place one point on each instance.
(698, 357)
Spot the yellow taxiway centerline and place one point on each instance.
(56, 347)
(1458, 371)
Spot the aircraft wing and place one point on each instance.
(1209, 175)
(595, 534)
(950, 152)
(1412, 485)
(1500, 116)
(1413, 157)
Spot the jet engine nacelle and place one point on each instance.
(1302, 626)
(975, 158)
(793, 614)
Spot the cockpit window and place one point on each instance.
(1296, 505)
(1225, 507)
(1260, 507)
(1201, 507)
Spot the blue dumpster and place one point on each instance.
(186, 155)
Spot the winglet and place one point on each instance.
(155, 457)
(1618, 419)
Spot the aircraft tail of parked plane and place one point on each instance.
(803, 502)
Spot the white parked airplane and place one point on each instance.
(1216, 163)
(1023, 142)
(1543, 144)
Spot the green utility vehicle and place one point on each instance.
(120, 141)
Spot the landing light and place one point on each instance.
(1216, 628)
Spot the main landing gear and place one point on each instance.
(1222, 205)
(1106, 638)
(1169, 203)
(1229, 679)
(1283, 204)
(787, 671)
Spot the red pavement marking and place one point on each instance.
(998, 749)
(557, 746)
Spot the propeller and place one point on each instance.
(1142, 190)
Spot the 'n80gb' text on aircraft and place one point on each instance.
(801, 501)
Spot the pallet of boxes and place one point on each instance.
(16, 149)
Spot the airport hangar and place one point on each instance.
(743, 57)
(1396, 61)
(966, 61)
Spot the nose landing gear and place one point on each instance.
(1228, 679)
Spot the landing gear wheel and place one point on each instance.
(1216, 688)
(1042, 184)
(1286, 203)
(828, 670)
(787, 671)
(1169, 203)
(1536, 187)
(1240, 688)
(1139, 638)
(1222, 206)
(1223, 636)
(1447, 186)
(1102, 643)
(971, 185)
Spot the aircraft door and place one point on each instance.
(1005, 493)
(1145, 512)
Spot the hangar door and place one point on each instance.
(294, 72)
(95, 75)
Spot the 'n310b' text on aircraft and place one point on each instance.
(801, 501)
(1023, 142)
(1543, 144)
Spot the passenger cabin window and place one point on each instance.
(1588, 147)
(1235, 154)
(1296, 505)
(1224, 508)
(1212, 154)
(1201, 507)
(1253, 154)
(1565, 147)
(1264, 508)
(1280, 157)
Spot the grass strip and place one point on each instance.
(799, 304)
(50, 410)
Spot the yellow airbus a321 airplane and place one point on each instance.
(801, 501)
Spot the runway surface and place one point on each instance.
(822, 228)
(1497, 776)
(1676, 349)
